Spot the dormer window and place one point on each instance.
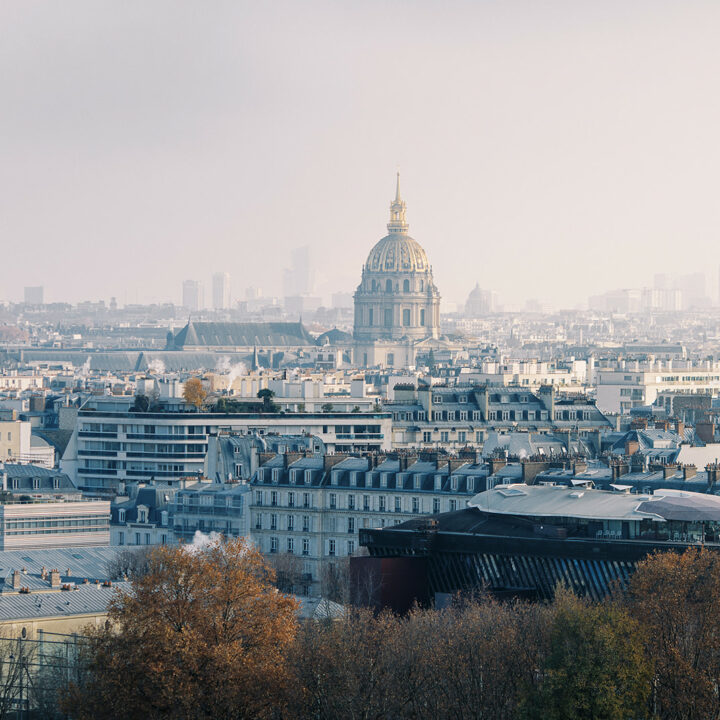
(308, 477)
(276, 475)
(121, 515)
(334, 478)
(353, 479)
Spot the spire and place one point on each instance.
(397, 223)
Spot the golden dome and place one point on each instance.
(397, 253)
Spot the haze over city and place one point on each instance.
(548, 150)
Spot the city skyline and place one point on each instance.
(534, 143)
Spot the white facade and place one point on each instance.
(24, 526)
(638, 384)
(108, 448)
(221, 291)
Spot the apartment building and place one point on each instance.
(314, 506)
(454, 417)
(108, 449)
(635, 384)
(41, 524)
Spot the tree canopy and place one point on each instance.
(201, 634)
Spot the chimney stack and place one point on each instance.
(55, 578)
(689, 472)
(16, 580)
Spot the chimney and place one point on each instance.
(329, 461)
(496, 464)
(618, 469)
(532, 468)
(579, 466)
(454, 463)
(680, 428)
(16, 580)
(662, 425)
(689, 472)
(631, 447)
(668, 471)
(54, 578)
(43, 572)
(712, 474)
(705, 431)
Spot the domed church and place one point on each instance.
(397, 304)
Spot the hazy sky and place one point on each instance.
(547, 149)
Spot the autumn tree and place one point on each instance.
(202, 634)
(676, 597)
(595, 666)
(194, 392)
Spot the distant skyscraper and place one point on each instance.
(221, 291)
(298, 279)
(193, 295)
(34, 295)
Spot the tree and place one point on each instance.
(129, 563)
(194, 392)
(326, 407)
(676, 597)
(141, 404)
(595, 666)
(203, 634)
(16, 657)
(266, 395)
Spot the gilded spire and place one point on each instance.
(397, 223)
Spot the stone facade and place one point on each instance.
(396, 301)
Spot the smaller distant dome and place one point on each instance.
(397, 253)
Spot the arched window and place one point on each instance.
(406, 286)
(388, 286)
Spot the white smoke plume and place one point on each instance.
(85, 369)
(156, 367)
(233, 370)
(201, 540)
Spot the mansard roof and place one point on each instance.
(231, 334)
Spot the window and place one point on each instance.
(388, 287)
(291, 522)
(366, 502)
(306, 523)
(406, 318)
(306, 500)
(454, 483)
(137, 538)
(333, 501)
(274, 498)
(370, 317)
(291, 499)
(291, 545)
(398, 504)
(351, 502)
(453, 505)
(416, 505)
(461, 436)
(436, 506)
(121, 538)
(388, 316)
(276, 475)
(258, 497)
(422, 317)
(331, 544)
(350, 547)
(121, 515)
(390, 359)
(351, 524)
(163, 539)
(406, 286)
(381, 500)
(471, 484)
(273, 544)
(273, 522)
(306, 546)
(427, 437)
(444, 436)
(258, 521)
(334, 478)
(308, 477)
